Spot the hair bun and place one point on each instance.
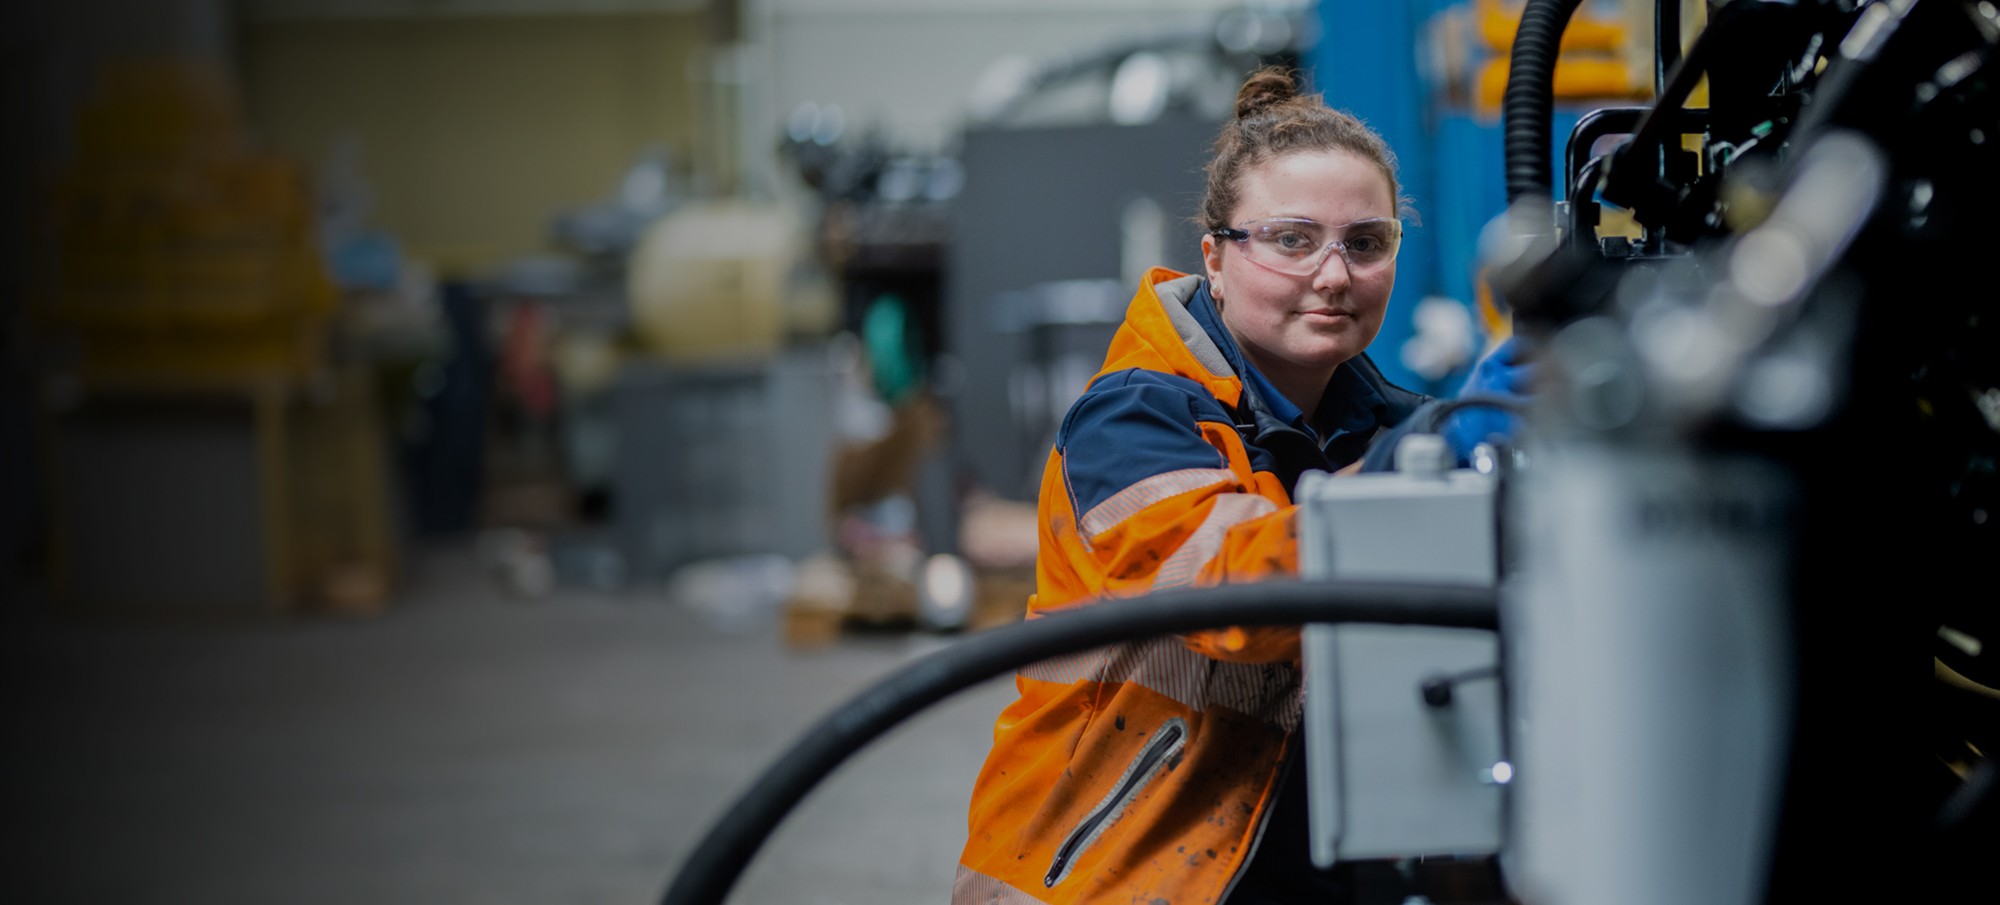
(1264, 89)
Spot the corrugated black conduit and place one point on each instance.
(709, 872)
(1527, 107)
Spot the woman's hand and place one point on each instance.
(1503, 374)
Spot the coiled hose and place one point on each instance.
(1527, 107)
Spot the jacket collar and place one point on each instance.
(1172, 326)
(1351, 404)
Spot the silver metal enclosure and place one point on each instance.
(1649, 676)
(1388, 774)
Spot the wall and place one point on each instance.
(474, 130)
(906, 67)
(480, 118)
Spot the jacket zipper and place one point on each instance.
(1164, 744)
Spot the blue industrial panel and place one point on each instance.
(1472, 190)
(1450, 161)
(1366, 63)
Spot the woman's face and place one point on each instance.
(1297, 329)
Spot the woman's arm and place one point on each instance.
(1157, 490)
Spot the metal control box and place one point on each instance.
(1390, 774)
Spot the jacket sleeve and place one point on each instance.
(1163, 494)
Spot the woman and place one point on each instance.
(1151, 771)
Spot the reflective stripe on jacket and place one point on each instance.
(1144, 771)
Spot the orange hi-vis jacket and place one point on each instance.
(1144, 772)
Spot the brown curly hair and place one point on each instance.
(1272, 120)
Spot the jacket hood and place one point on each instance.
(1159, 334)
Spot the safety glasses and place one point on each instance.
(1301, 247)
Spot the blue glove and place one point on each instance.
(1502, 374)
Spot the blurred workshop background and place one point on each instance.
(450, 445)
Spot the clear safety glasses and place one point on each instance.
(1301, 247)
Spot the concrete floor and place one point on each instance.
(466, 747)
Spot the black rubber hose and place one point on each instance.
(1641, 158)
(714, 866)
(1666, 42)
(1528, 105)
(1585, 211)
(1845, 74)
(1444, 411)
(1588, 129)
